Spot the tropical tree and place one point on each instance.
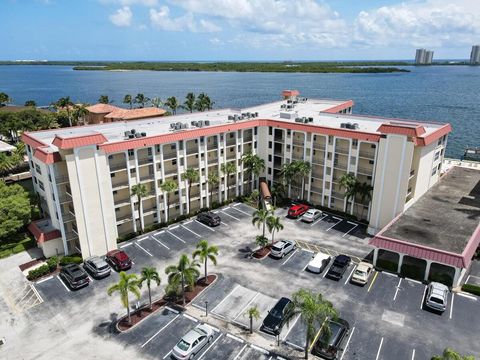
(206, 252)
(47, 121)
(7, 164)
(31, 103)
(189, 103)
(253, 165)
(4, 99)
(260, 218)
(140, 191)
(168, 186)
(184, 273)
(191, 176)
(261, 241)
(127, 99)
(141, 100)
(302, 170)
(253, 313)
(148, 275)
(287, 174)
(314, 310)
(365, 193)
(79, 112)
(156, 102)
(127, 284)
(203, 102)
(228, 169)
(172, 104)
(103, 99)
(66, 104)
(274, 224)
(351, 185)
(449, 354)
(213, 181)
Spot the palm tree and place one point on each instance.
(253, 164)
(253, 313)
(228, 169)
(450, 354)
(141, 100)
(205, 252)
(127, 99)
(6, 164)
(208, 102)
(156, 102)
(260, 218)
(213, 181)
(185, 272)
(168, 186)
(4, 99)
(313, 309)
(65, 103)
(261, 241)
(274, 224)
(31, 103)
(191, 176)
(103, 99)
(365, 192)
(302, 169)
(189, 103)
(149, 275)
(172, 103)
(140, 191)
(127, 284)
(48, 121)
(78, 113)
(200, 102)
(350, 183)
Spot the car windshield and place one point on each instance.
(360, 273)
(276, 313)
(436, 300)
(200, 331)
(183, 345)
(103, 267)
(79, 277)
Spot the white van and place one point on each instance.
(318, 263)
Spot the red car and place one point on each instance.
(297, 210)
(119, 260)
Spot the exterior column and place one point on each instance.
(137, 172)
(200, 163)
(162, 172)
(155, 176)
(457, 277)
(132, 207)
(400, 262)
(179, 178)
(207, 185)
(427, 269)
(238, 139)
(375, 256)
(58, 207)
(240, 177)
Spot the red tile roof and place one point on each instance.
(409, 129)
(45, 155)
(102, 108)
(133, 114)
(78, 141)
(338, 108)
(287, 93)
(41, 236)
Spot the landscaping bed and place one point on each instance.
(262, 253)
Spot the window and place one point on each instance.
(132, 171)
(110, 157)
(353, 160)
(112, 175)
(255, 145)
(149, 151)
(369, 178)
(174, 162)
(221, 152)
(270, 130)
(373, 146)
(37, 169)
(231, 135)
(180, 145)
(196, 141)
(269, 144)
(159, 166)
(269, 157)
(269, 171)
(354, 142)
(202, 155)
(202, 139)
(157, 148)
(329, 156)
(181, 162)
(439, 142)
(40, 185)
(434, 171)
(29, 148)
(173, 147)
(255, 129)
(117, 209)
(131, 152)
(330, 140)
(115, 192)
(371, 162)
(288, 147)
(289, 132)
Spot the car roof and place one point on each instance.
(282, 302)
(364, 266)
(312, 210)
(119, 254)
(96, 260)
(438, 287)
(342, 258)
(320, 256)
(191, 336)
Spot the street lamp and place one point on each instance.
(206, 308)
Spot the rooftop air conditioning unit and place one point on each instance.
(127, 133)
(133, 131)
(193, 123)
(172, 125)
(137, 135)
(256, 114)
(310, 119)
(207, 122)
(144, 134)
(298, 119)
(343, 125)
(355, 126)
(200, 123)
(230, 117)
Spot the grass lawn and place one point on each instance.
(16, 244)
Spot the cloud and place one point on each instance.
(162, 20)
(122, 17)
(148, 3)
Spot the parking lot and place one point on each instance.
(386, 316)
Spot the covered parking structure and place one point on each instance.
(436, 238)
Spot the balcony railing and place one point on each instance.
(298, 142)
(247, 138)
(317, 174)
(170, 172)
(167, 155)
(123, 201)
(119, 184)
(342, 150)
(316, 189)
(69, 236)
(67, 216)
(366, 171)
(147, 178)
(144, 161)
(367, 154)
(340, 166)
(60, 179)
(124, 218)
(318, 161)
(337, 195)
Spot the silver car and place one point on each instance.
(282, 248)
(192, 342)
(436, 297)
(97, 267)
(311, 215)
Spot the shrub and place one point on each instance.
(38, 272)
(471, 288)
(52, 263)
(126, 237)
(74, 259)
(261, 241)
(387, 265)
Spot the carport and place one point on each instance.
(436, 238)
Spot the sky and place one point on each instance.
(236, 30)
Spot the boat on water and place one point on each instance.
(471, 153)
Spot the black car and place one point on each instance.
(330, 342)
(339, 266)
(276, 317)
(74, 275)
(209, 218)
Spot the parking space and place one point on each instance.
(224, 347)
(215, 293)
(464, 312)
(252, 353)
(237, 300)
(297, 262)
(263, 303)
(344, 227)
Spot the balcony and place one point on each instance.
(365, 171)
(122, 201)
(369, 154)
(70, 236)
(337, 195)
(61, 179)
(119, 184)
(212, 160)
(316, 189)
(169, 172)
(67, 216)
(118, 167)
(339, 165)
(317, 174)
(342, 150)
(170, 154)
(150, 210)
(147, 178)
(298, 142)
(319, 145)
(145, 161)
(318, 161)
(124, 218)
(231, 155)
(412, 174)
(247, 138)
(230, 142)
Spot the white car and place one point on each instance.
(318, 263)
(282, 248)
(436, 297)
(311, 215)
(362, 272)
(192, 342)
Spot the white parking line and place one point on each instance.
(258, 348)
(43, 280)
(413, 354)
(175, 236)
(294, 345)
(168, 354)
(158, 233)
(200, 358)
(289, 257)
(225, 298)
(125, 245)
(320, 219)
(451, 306)
(291, 327)
(246, 306)
(187, 222)
(190, 317)
(61, 282)
(423, 297)
(172, 310)
(305, 267)
(174, 227)
(414, 281)
(144, 238)
(159, 331)
(208, 227)
(235, 338)
(379, 349)
(339, 221)
(398, 288)
(233, 217)
(349, 231)
(243, 212)
(348, 342)
(222, 223)
(159, 242)
(193, 232)
(349, 276)
(389, 274)
(235, 204)
(36, 293)
(140, 246)
(241, 351)
(470, 297)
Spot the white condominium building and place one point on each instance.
(423, 57)
(84, 174)
(475, 55)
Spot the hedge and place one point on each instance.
(52, 263)
(38, 272)
(74, 259)
(471, 288)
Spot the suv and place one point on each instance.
(276, 317)
(330, 342)
(436, 297)
(282, 248)
(297, 210)
(119, 260)
(96, 266)
(209, 218)
(74, 275)
(339, 266)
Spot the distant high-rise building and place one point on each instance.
(423, 57)
(475, 55)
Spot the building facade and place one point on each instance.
(475, 55)
(84, 175)
(423, 57)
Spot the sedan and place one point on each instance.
(362, 273)
(96, 266)
(192, 342)
(311, 215)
